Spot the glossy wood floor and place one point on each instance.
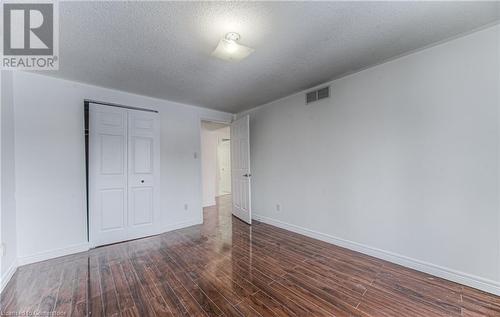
(226, 268)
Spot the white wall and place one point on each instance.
(401, 162)
(208, 165)
(224, 162)
(209, 140)
(50, 166)
(7, 187)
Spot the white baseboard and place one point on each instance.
(8, 275)
(483, 284)
(46, 255)
(182, 224)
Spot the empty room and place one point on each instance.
(220, 158)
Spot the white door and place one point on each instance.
(240, 169)
(124, 160)
(143, 173)
(107, 174)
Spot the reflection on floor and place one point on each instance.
(225, 267)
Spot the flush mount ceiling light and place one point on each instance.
(229, 49)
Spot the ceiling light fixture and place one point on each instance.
(229, 49)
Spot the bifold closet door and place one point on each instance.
(124, 174)
(143, 173)
(107, 174)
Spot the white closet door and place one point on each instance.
(107, 174)
(124, 174)
(143, 173)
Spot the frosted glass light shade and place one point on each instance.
(231, 51)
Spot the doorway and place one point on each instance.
(225, 161)
(216, 161)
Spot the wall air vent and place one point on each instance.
(319, 94)
(323, 93)
(311, 97)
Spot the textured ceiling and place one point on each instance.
(162, 49)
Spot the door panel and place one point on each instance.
(107, 174)
(143, 154)
(112, 215)
(112, 154)
(240, 169)
(142, 202)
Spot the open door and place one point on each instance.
(240, 169)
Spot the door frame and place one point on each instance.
(209, 119)
(86, 127)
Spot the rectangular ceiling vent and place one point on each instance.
(319, 94)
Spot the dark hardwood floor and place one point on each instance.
(226, 268)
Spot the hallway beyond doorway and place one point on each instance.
(215, 161)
